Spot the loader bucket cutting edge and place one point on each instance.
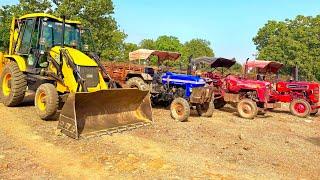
(106, 111)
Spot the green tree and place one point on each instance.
(24, 7)
(95, 15)
(197, 48)
(236, 68)
(168, 43)
(293, 42)
(128, 47)
(147, 44)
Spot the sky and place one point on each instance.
(229, 25)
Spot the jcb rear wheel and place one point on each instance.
(205, 109)
(180, 109)
(13, 85)
(137, 82)
(247, 108)
(46, 101)
(300, 108)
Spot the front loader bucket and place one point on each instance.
(105, 112)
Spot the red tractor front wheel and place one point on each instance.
(300, 108)
(247, 108)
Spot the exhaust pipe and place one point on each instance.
(189, 71)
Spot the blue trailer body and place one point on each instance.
(184, 81)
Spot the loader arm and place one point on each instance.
(81, 81)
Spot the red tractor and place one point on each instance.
(303, 96)
(249, 96)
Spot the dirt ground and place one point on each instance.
(225, 146)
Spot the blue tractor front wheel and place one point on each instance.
(180, 109)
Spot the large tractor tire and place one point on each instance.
(180, 109)
(247, 108)
(13, 85)
(205, 109)
(136, 82)
(46, 101)
(300, 108)
(219, 103)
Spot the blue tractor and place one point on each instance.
(182, 92)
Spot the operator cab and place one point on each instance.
(36, 35)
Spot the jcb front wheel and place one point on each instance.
(180, 109)
(247, 108)
(13, 85)
(46, 101)
(300, 108)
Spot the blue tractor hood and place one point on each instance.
(182, 79)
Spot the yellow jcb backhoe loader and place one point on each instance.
(54, 58)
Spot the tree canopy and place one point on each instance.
(293, 42)
(195, 47)
(96, 15)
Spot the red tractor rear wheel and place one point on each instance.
(300, 108)
(247, 108)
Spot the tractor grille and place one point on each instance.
(316, 94)
(201, 95)
(90, 74)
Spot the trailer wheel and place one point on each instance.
(136, 82)
(180, 109)
(13, 85)
(219, 103)
(205, 109)
(247, 108)
(46, 101)
(314, 112)
(300, 108)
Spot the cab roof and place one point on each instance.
(264, 66)
(146, 53)
(215, 62)
(44, 15)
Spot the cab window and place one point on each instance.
(26, 36)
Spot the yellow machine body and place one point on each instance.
(89, 110)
